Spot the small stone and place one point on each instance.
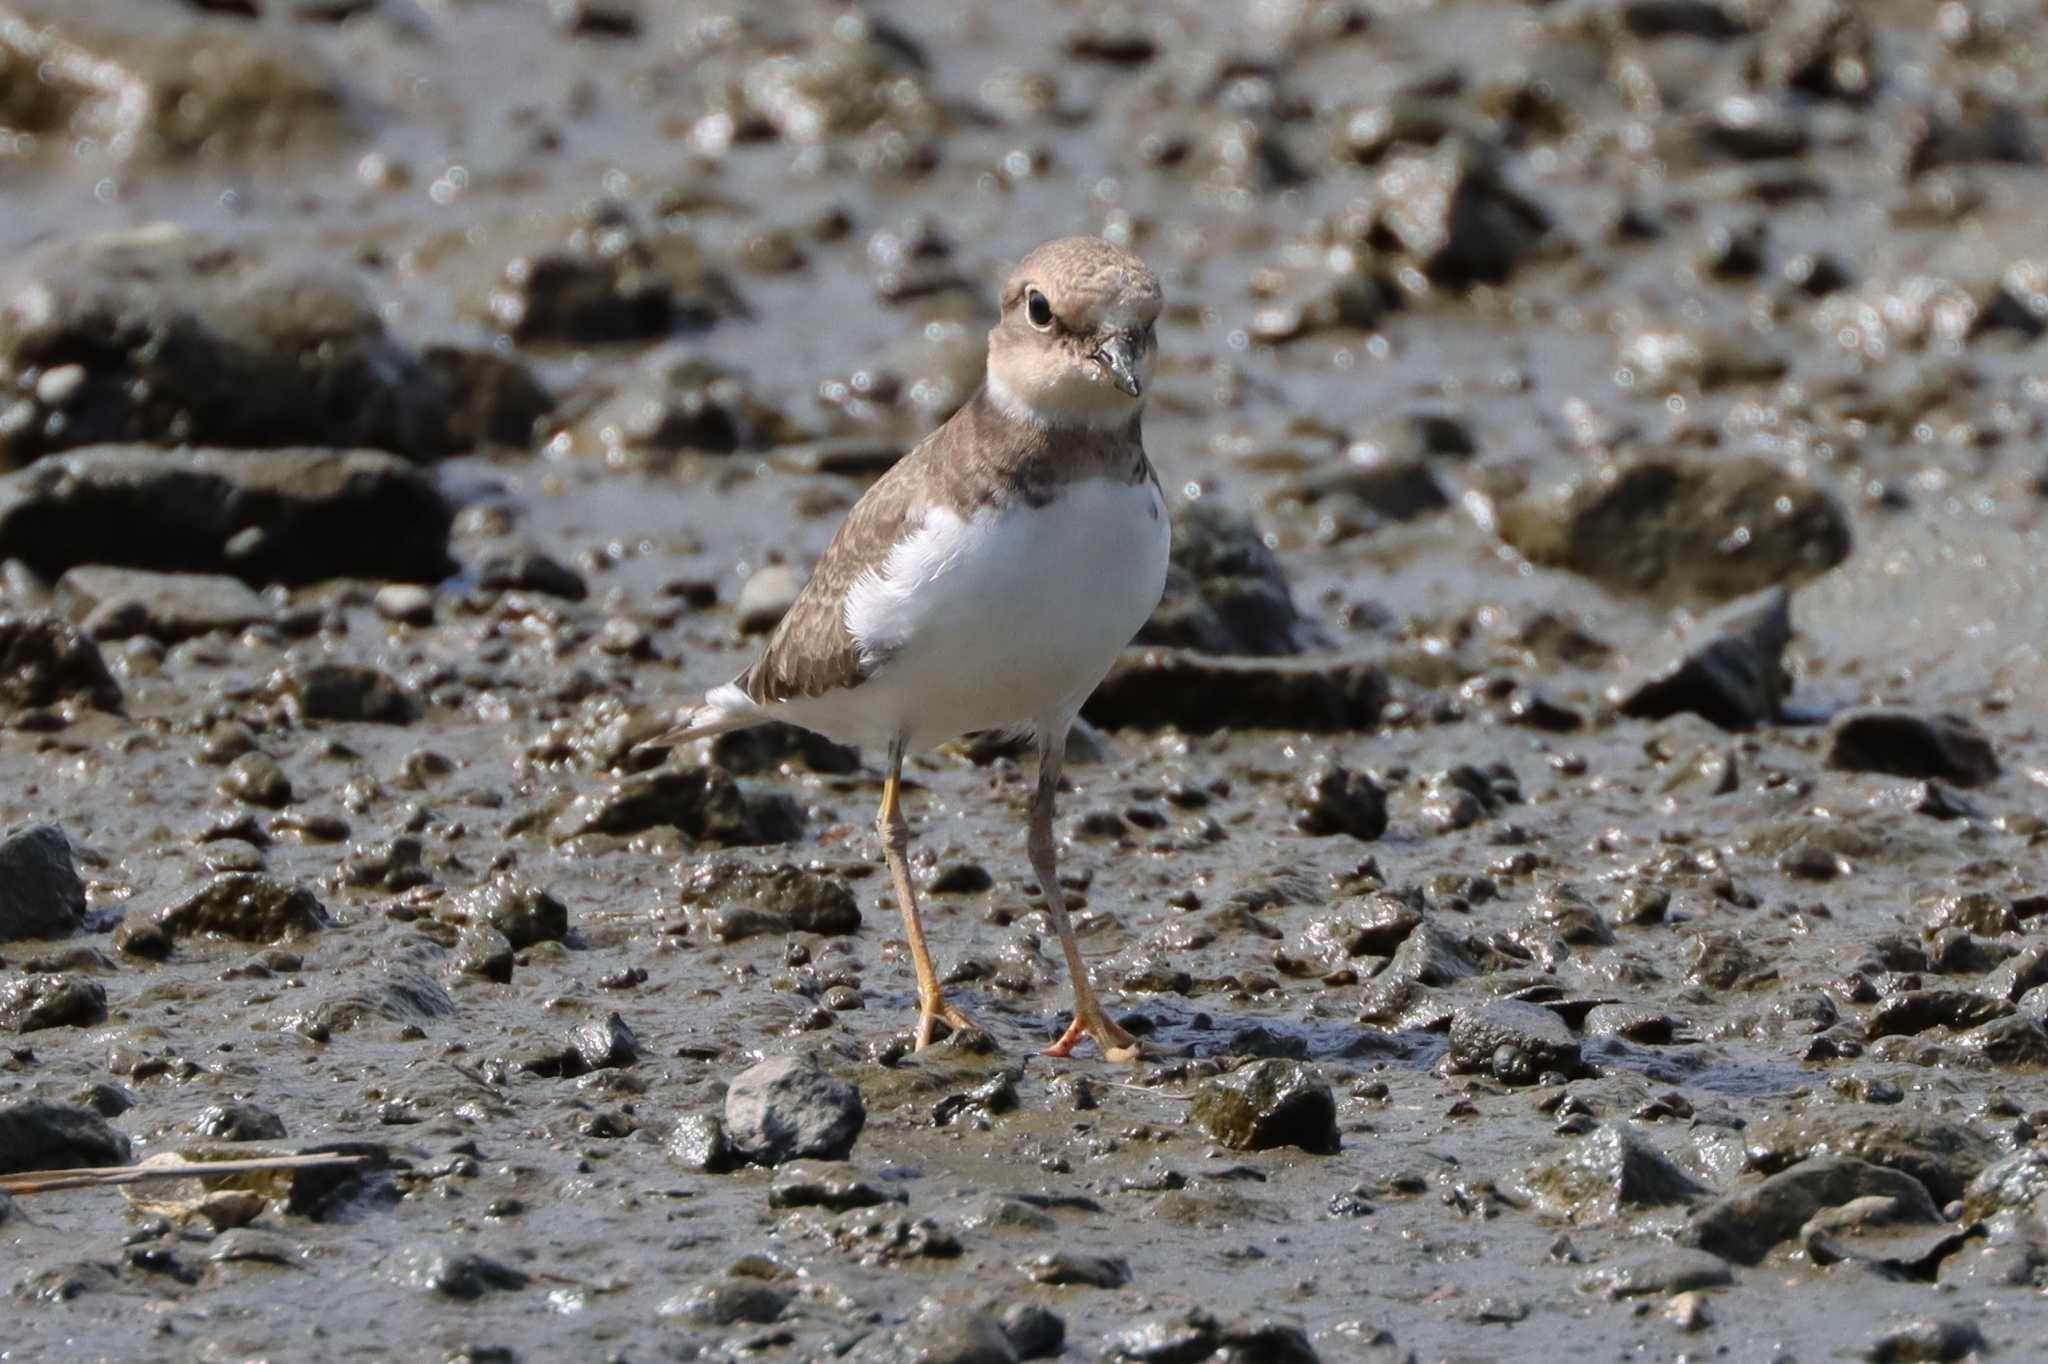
(1336, 800)
(1659, 1272)
(40, 893)
(1903, 743)
(1514, 1042)
(1746, 1225)
(1062, 1267)
(139, 937)
(258, 779)
(248, 906)
(606, 1044)
(766, 597)
(238, 1122)
(34, 1002)
(1268, 1103)
(1688, 1312)
(736, 900)
(348, 693)
(46, 662)
(1033, 1330)
(462, 1275)
(523, 913)
(482, 950)
(730, 1302)
(406, 603)
(118, 603)
(1613, 1169)
(785, 1109)
(36, 1134)
(1930, 1340)
(698, 1144)
(1729, 667)
(529, 570)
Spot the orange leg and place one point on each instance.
(1089, 1019)
(932, 1008)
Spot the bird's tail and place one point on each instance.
(724, 709)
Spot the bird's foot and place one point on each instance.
(1091, 1021)
(935, 1011)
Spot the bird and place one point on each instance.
(988, 580)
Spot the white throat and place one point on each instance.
(1091, 413)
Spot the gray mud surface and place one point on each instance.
(1572, 840)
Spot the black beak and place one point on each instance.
(1119, 356)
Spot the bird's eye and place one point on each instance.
(1038, 310)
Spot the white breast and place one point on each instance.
(1006, 619)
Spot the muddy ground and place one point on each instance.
(1571, 839)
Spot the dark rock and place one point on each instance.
(185, 340)
(1430, 955)
(1453, 213)
(677, 402)
(392, 864)
(493, 399)
(238, 1122)
(288, 516)
(40, 893)
(702, 802)
(1973, 911)
(144, 938)
(1266, 1104)
(1034, 1331)
(765, 748)
(1906, 743)
(1729, 667)
(46, 662)
(1516, 1043)
(1664, 527)
(1744, 1226)
(116, 603)
(1660, 1273)
(345, 693)
(1336, 800)
(608, 284)
(258, 779)
(399, 991)
(801, 1186)
(248, 906)
(1063, 1267)
(2018, 1041)
(2015, 1186)
(517, 909)
(62, 1283)
(482, 950)
(1943, 1155)
(953, 1336)
(1930, 1340)
(531, 571)
(737, 900)
(1613, 1169)
(785, 1109)
(1157, 688)
(606, 1044)
(1911, 1012)
(1225, 590)
(1563, 912)
(38, 1135)
(698, 1144)
(1394, 486)
(463, 1275)
(34, 1002)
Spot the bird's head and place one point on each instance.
(1075, 344)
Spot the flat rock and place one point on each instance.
(45, 661)
(345, 693)
(1198, 694)
(36, 1134)
(115, 603)
(1928, 1340)
(1729, 668)
(1660, 1272)
(787, 1109)
(186, 340)
(1266, 1104)
(247, 906)
(40, 893)
(1613, 1169)
(702, 802)
(1512, 1041)
(1745, 1225)
(284, 515)
(1661, 527)
(31, 1003)
(1942, 1154)
(1903, 743)
(735, 900)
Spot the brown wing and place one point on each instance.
(811, 652)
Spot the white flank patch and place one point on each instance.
(1004, 620)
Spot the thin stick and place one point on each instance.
(43, 1181)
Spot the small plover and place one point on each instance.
(989, 579)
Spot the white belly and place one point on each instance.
(1006, 620)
